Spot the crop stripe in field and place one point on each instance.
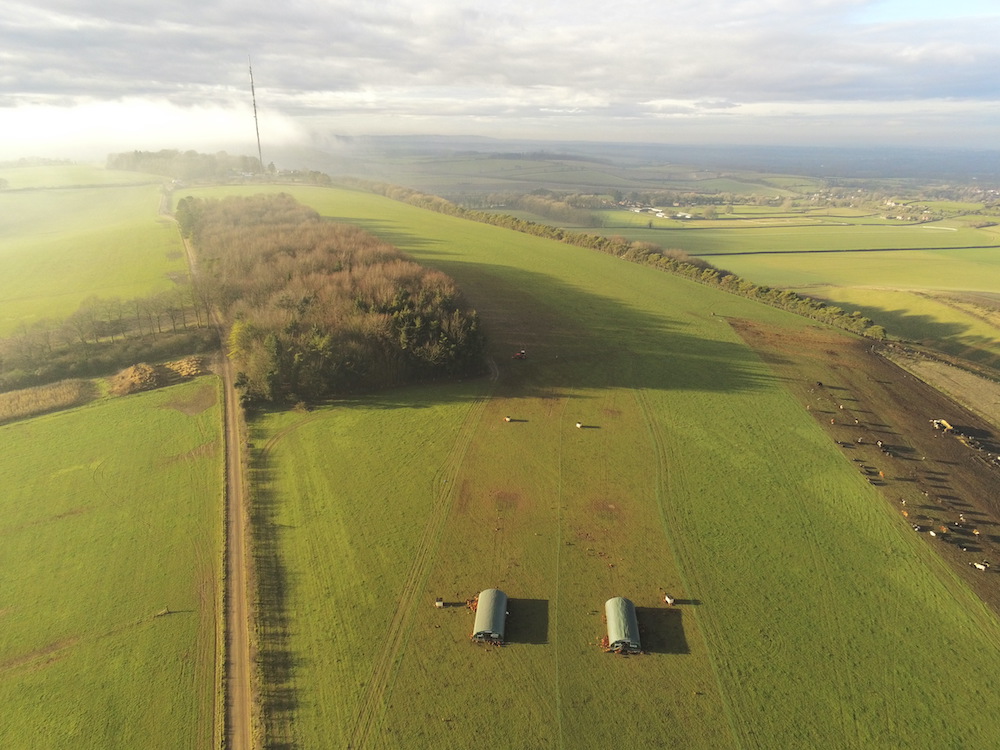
(845, 681)
(55, 651)
(372, 704)
(846, 250)
(555, 612)
(660, 451)
(283, 432)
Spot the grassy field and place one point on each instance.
(71, 233)
(943, 298)
(809, 614)
(448, 175)
(933, 283)
(110, 524)
(71, 175)
(958, 323)
(724, 238)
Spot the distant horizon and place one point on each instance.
(335, 141)
(97, 149)
(927, 163)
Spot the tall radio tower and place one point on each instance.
(253, 96)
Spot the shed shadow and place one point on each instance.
(527, 621)
(662, 630)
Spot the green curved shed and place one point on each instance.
(491, 616)
(623, 627)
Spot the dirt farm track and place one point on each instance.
(946, 488)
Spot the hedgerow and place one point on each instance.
(672, 261)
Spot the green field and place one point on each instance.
(959, 324)
(916, 286)
(447, 174)
(70, 233)
(721, 239)
(933, 283)
(110, 566)
(810, 615)
(943, 298)
(71, 175)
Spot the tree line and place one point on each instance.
(646, 253)
(106, 334)
(183, 165)
(317, 308)
(573, 209)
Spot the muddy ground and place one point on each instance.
(941, 482)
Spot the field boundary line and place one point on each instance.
(373, 702)
(846, 250)
(53, 651)
(559, 545)
(236, 686)
(222, 593)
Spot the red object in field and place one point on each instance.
(520, 355)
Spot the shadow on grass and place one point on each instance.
(389, 231)
(276, 659)
(527, 621)
(662, 630)
(576, 340)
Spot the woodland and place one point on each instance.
(106, 334)
(316, 308)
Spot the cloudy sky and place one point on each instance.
(122, 74)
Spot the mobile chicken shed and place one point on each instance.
(623, 627)
(491, 616)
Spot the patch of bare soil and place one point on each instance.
(506, 500)
(946, 484)
(197, 402)
(205, 449)
(606, 509)
(49, 519)
(39, 658)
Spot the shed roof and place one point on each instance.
(623, 627)
(491, 615)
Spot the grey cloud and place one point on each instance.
(458, 58)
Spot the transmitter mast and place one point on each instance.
(253, 96)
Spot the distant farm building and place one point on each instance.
(623, 627)
(491, 617)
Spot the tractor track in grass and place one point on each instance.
(828, 609)
(559, 547)
(660, 451)
(284, 432)
(372, 705)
